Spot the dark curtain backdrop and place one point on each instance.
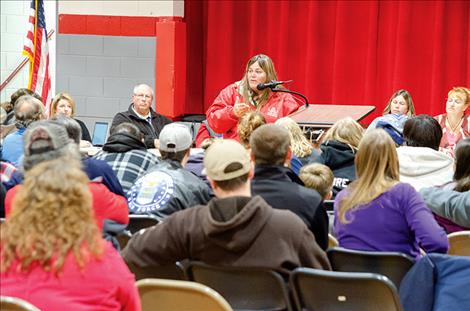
(337, 52)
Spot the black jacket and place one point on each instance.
(165, 189)
(150, 134)
(282, 189)
(339, 158)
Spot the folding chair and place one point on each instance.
(243, 288)
(337, 291)
(171, 295)
(459, 243)
(393, 265)
(175, 271)
(15, 304)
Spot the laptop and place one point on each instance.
(100, 134)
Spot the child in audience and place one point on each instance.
(379, 213)
(52, 253)
(318, 177)
(398, 110)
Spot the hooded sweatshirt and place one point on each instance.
(424, 167)
(339, 158)
(235, 231)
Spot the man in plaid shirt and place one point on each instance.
(127, 155)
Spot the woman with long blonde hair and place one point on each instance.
(377, 212)
(242, 96)
(51, 250)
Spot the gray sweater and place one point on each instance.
(449, 204)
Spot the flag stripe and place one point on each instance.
(36, 49)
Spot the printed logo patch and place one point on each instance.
(273, 112)
(151, 192)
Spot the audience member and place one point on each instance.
(11, 119)
(279, 185)
(233, 229)
(47, 140)
(450, 204)
(247, 123)
(318, 177)
(195, 162)
(300, 145)
(204, 132)
(421, 164)
(399, 108)
(461, 183)
(454, 123)
(168, 187)
(338, 151)
(52, 253)
(63, 103)
(127, 155)
(27, 110)
(379, 213)
(243, 96)
(141, 114)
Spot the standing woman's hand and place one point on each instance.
(239, 109)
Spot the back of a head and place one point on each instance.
(227, 164)
(377, 157)
(270, 144)
(318, 177)
(175, 141)
(45, 141)
(249, 122)
(21, 92)
(462, 165)
(127, 128)
(74, 131)
(55, 206)
(346, 131)
(422, 131)
(301, 147)
(27, 110)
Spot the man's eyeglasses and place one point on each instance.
(145, 96)
(455, 101)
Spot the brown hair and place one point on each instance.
(409, 102)
(422, 131)
(249, 122)
(377, 171)
(51, 218)
(318, 177)
(462, 167)
(66, 97)
(268, 67)
(269, 144)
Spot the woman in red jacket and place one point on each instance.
(242, 96)
(51, 250)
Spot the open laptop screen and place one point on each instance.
(100, 133)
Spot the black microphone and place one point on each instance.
(270, 85)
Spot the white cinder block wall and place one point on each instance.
(13, 27)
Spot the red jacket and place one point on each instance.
(223, 121)
(105, 284)
(106, 205)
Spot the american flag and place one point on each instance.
(36, 49)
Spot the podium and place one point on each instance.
(324, 116)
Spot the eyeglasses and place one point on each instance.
(145, 96)
(454, 100)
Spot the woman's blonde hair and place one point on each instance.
(268, 67)
(377, 171)
(51, 218)
(409, 102)
(462, 91)
(300, 145)
(346, 131)
(66, 97)
(249, 122)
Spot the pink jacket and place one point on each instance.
(105, 284)
(222, 120)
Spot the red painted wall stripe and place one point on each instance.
(140, 26)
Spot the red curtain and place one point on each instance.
(337, 52)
